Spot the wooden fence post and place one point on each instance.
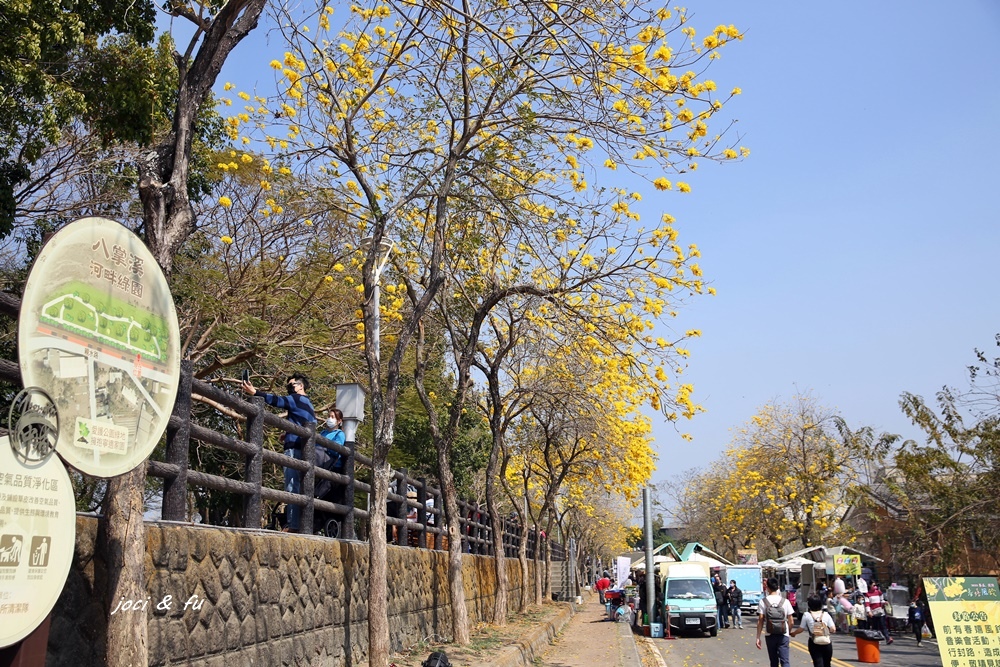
(439, 521)
(308, 486)
(347, 525)
(178, 445)
(422, 512)
(403, 510)
(253, 468)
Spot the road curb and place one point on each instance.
(531, 646)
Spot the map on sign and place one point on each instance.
(98, 333)
(37, 536)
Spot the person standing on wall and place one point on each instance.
(301, 413)
(774, 619)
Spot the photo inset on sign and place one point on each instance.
(98, 332)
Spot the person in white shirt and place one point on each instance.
(774, 619)
(820, 645)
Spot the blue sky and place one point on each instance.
(854, 251)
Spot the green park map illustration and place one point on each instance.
(82, 309)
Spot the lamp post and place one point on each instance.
(351, 402)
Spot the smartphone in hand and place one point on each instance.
(246, 374)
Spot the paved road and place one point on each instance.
(734, 646)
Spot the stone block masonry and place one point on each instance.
(223, 596)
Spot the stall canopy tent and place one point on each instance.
(699, 552)
(795, 564)
(640, 564)
(819, 554)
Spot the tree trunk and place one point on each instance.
(499, 557)
(378, 569)
(538, 568)
(456, 579)
(548, 571)
(124, 547)
(522, 558)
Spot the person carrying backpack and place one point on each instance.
(774, 619)
(820, 626)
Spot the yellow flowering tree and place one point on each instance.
(415, 112)
(785, 480)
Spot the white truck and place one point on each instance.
(749, 579)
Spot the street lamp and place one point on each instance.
(384, 249)
(351, 402)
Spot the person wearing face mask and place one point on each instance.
(300, 412)
(327, 458)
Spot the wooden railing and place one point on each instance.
(412, 521)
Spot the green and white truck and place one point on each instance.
(689, 597)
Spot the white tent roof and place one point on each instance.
(770, 562)
(640, 564)
(702, 558)
(795, 564)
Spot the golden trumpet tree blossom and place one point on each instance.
(783, 482)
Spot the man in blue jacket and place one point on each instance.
(300, 412)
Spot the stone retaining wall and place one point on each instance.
(263, 598)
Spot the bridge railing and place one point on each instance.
(413, 518)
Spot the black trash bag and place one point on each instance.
(873, 635)
(436, 659)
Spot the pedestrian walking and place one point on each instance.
(774, 619)
(915, 617)
(735, 603)
(603, 584)
(875, 605)
(819, 625)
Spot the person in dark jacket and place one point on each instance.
(300, 412)
(735, 602)
(721, 602)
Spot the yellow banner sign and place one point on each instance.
(966, 612)
(847, 564)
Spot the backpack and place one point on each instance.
(436, 659)
(859, 612)
(820, 632)
(776, 622)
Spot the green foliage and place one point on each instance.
(947, 486)
(41, 44)
(11, 175)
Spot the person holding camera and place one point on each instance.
(300, 412)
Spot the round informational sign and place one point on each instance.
(37, 536)
(98, 333)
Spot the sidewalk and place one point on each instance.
(590, 639)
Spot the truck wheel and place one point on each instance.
(714, 632)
